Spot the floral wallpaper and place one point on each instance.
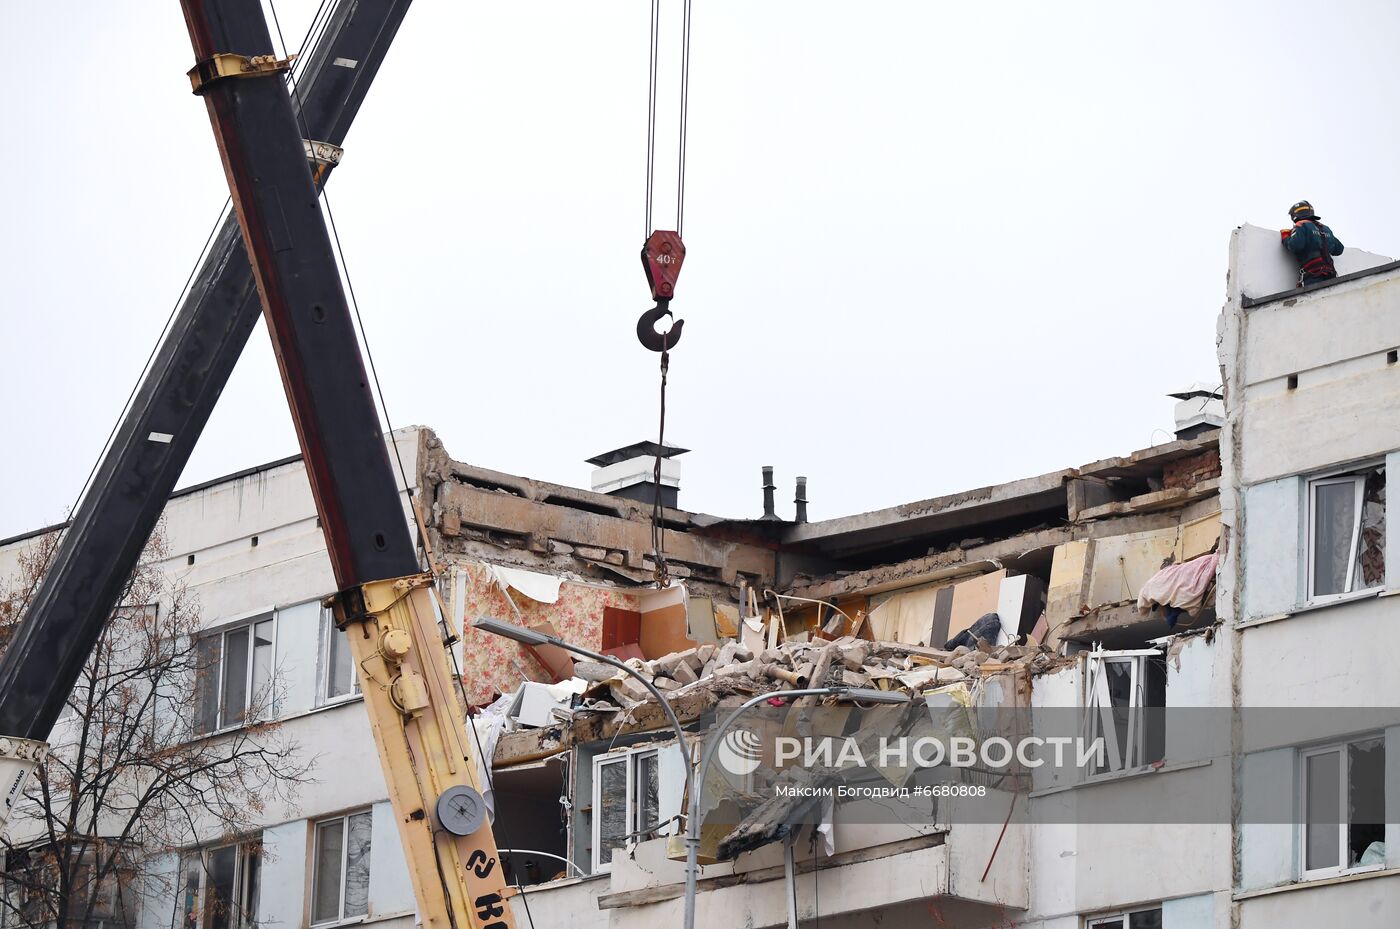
(492, 664)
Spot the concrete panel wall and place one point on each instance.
(1300, 652)
(390, 891)
(282, 902)
(1203, 911)
(1324, 422)
(1343, 322)
(1268, 851)
(1364, 904)
(1273, 571)
(1262, 266)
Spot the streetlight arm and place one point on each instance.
(692, 816)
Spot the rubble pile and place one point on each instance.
(732, 669)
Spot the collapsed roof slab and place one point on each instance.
(1042, 496)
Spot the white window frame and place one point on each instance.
(1098, 708)
(246, 849)
(1358, 483)
(222, 634)
(344, 820)
(1341, 749)
(1121, 918)
(632, 765)
(323, 684)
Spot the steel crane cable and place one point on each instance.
(654, 37)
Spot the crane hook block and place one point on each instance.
(646, 328)
(662, 256)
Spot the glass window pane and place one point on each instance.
(1145, 919)
(219, 906)
(190, 893)
(252, 885)
(235, 676)
(1334, 518)
(610, 806)
(207, 682)
(325, 895)
(1370, 550)
(262, 667)
(646, 789)
(339, 672)
(1112, 922)
(1366, 803)
(1324, 778)
(357, 866)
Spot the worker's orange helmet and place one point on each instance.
(1301, 210)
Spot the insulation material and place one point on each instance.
(491, 664)
(726, 621)
(1020, 603)
(906, 616)
(1069, 576)
(1089, 574)
(700, 619)
(1198, 537)
(973, 599)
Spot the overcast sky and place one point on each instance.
(932, 246)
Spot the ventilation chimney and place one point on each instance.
(1199, 409)
(630, 472)
(768, 488)
(801, 499)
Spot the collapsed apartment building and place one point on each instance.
(1041, 580)
(1039, 590)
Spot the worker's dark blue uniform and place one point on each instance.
(1313, 244)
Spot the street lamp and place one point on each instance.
(692, 778)
(692, 816)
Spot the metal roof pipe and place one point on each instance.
(768, 488)
(801, 499)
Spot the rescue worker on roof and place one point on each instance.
(1312, 243)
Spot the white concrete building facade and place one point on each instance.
(1312, 433)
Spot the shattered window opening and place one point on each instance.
(1346, 534)
(340, 882)
(1124, 693)
(1343, 798)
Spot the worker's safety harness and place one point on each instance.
(1322, 266)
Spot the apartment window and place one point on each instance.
(338, 678)
(1346, 533)
(1136, 919)
(235, 668)
(1125, 693)
(1343, 788)
(625, 801)
(219, 887)
(340, 882)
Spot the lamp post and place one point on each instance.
(693, 779)
(692, 816)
